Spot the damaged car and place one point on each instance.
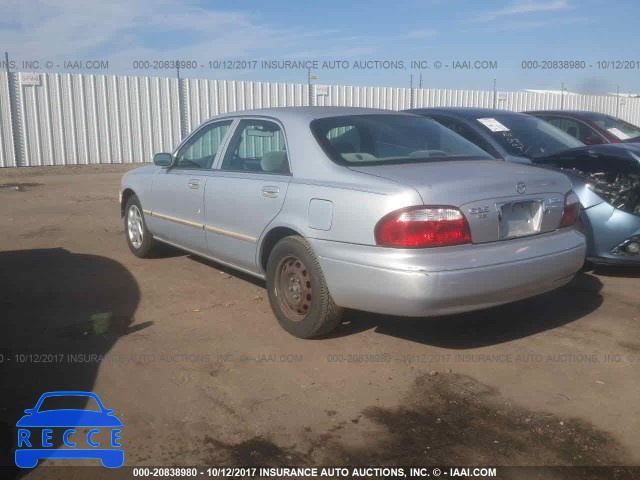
(605, 177)
(610, 173)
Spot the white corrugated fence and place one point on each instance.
(72, 119)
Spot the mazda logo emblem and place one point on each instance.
(521, 187)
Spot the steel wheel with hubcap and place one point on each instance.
(297, 290)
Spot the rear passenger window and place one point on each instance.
(257, 146)
(572, 127)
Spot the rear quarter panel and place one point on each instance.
(355, 207)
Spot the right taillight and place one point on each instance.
(423, 227)
(571, 209)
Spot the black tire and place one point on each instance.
(313, 312)
(145, 248)
(588, 267)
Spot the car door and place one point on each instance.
(177, 193)
(246, 192)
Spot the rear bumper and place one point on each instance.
(427, 282)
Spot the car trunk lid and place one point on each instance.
(500, 200)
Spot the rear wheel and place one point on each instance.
(139, 238)
(297, 290)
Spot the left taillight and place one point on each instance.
(423, 227)
(571, 209)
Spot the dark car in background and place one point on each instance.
(591, 128)
(605, 177)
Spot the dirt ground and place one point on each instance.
(190, 357)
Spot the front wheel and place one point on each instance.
(297, 290)
(139, 238)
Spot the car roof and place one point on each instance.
(310, 113)
(464, 112)
(569, 113)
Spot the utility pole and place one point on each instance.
(495, 94)
(617, 101)
(420, 84)
(6, 63)
(309, 85)
(562, 97)
(181, 104)
(412, 101)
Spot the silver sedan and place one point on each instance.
(373, 210)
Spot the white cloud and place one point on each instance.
(523, 7)
(537, 24)
(127, 29)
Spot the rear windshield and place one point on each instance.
(526, 136)
(387, 139)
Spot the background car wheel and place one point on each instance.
(139, 239)
(297, 290)
(583, 227)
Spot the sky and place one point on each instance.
(349, 40)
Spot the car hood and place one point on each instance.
(611, 149)
(518, 159)
(69, 418)
(607, 172)
(145, 169)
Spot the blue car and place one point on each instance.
(605, 177)
(36, 430)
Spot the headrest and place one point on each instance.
(359, 157)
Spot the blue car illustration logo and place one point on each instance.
(99, 438)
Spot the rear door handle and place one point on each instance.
(194, 183)
(270, 191)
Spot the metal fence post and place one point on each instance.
(13, 82)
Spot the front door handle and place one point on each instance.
(194, 183)
(270, 191)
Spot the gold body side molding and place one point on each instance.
(189, 223)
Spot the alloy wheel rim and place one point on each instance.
(134, 226)
(293, 288)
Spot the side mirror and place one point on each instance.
(163, 159)
(29, 411)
